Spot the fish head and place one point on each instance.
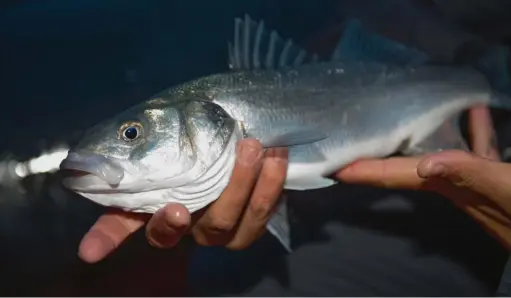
(160, 145)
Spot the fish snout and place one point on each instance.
(81, 164)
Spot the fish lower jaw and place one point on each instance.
(150, 201)
(86, 183)
(90, 183)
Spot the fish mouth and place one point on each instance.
(79, 165)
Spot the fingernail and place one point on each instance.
(434, 170)
(181, 220)
(248, 154)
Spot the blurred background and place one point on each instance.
(66, 65)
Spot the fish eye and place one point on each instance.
(130, 131)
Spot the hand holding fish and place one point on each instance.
(476, 183)
(239, 216)
(235, 220)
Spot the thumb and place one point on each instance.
(482, 176)
(478, 186)
(168, 224)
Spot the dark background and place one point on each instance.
(65, 65)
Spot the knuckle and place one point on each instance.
(274, 174)
(248, 155)
(220, 225)
(241, 182)
(261, 206)
(238, 189)
(463, 180)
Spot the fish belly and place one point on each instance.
(310, 164)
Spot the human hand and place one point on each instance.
(475, 182)
(235, 220)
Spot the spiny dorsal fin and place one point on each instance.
(254, 47)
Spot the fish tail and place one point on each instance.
(358, 43)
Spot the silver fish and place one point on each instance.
(179, 146)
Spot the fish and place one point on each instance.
(179, 145)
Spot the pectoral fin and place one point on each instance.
(306, 183)
(298, 136)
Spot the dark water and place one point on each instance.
(65, 65)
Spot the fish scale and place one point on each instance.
(328, 113)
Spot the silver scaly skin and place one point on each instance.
(343, 104)
(180, 145)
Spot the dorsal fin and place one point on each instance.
(254, 47)
(360, 44)
(494, 63)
